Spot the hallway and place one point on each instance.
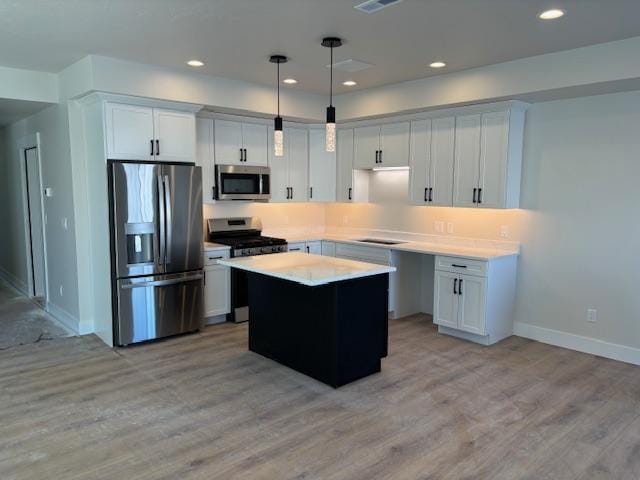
(22, 322)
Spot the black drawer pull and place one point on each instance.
(214, 258)
(458, 266)
(455, 282)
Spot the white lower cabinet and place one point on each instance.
(328, 249)
(314, 247)
(474, 299)
(217, 285)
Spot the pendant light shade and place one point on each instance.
(278, 133)
(331, 43)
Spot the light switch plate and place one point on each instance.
(592, 315)
(438, 225)
(449, 227)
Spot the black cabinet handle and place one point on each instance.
(475, 191)
(480, 195)
(349, 193)
(310, 192)
(431, 194)
(292, 193)
(460, 288)
(157, 147)
(241, 155)
(458, 266)
(426, 197)
(245, 155)
(152, 147)
(287, 193)
(213, 193)
(380, 156)
(214, 258)
(308, 249)
(455, 282)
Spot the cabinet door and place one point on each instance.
(129, 132)
(322, 169)
(204, 157)
(298, 164)
(254, 140)
(328, 249)
(279, 179)
(217, 290)
(441, 167)
(366, 141)
(471, 317)
(420, 160)
(297, 247)
(494, 145)
(467, 160)
(175, 134)
(394, 144)
(344, 183)
(314, 248)
(228, 142)
(445, 302)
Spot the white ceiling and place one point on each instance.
(236, 37)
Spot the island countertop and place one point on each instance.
(307, 269)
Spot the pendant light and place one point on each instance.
(331, 43)
(278, 134)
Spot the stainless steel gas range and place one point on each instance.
(244, 236)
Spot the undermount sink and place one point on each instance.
(379, 241)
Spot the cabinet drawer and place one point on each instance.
(212, 257)
(461, 265)
(380, 256)
(297, 247)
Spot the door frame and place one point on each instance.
(26, 143)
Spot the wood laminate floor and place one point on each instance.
(203, 407)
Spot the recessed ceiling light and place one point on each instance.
(349, 83)
(437, 64)
(551, 14)
(195, 63)
(290, 81)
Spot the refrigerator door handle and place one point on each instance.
(161, 222)
(161, 283)
(169, 219)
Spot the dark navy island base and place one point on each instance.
(336, 333)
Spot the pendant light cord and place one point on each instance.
(331, 79)
(278, 83)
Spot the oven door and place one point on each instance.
(239, 182)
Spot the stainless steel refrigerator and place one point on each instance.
(156, 249)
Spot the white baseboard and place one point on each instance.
(593, 346)
(14, 281)
(65, 318)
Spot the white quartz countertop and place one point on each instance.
(307, 269)
(432, 248)
(211, 247)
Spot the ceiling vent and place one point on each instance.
(371, 6)
(351, 65)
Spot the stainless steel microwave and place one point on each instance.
(242, 182)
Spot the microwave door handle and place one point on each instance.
(161, 220)
(169, 219)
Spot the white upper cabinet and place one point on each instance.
(175, 135)
(344, 180)
(240, 143)
(488, 159)
(289, 173)
(145, 133)
(129, 132)
(322, 168)
(381, 146)
(204, 157)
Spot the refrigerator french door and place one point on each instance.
(156, 229)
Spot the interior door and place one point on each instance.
(442, 160)
(228, 143)
(472, 304)
(254, 141)
(322, 169)
(493, 159)
(445, 311)
(279, 167)
(35, 219)
(394, 144)
(420, 161)
(175, 134)
(344, 181)
(467, 160)
(366, 142)
(129, 131)
(183, 212)
(298, 164)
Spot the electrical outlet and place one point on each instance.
(61, 291)
(504, 231)
(438, 225)
(449, 227)
(592, 315)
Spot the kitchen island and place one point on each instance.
(322, 316)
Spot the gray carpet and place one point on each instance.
(23, 322)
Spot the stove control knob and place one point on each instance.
(246, 251)
(264, 250)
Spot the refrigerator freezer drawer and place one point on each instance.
(159, 306)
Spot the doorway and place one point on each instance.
(34, 224)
